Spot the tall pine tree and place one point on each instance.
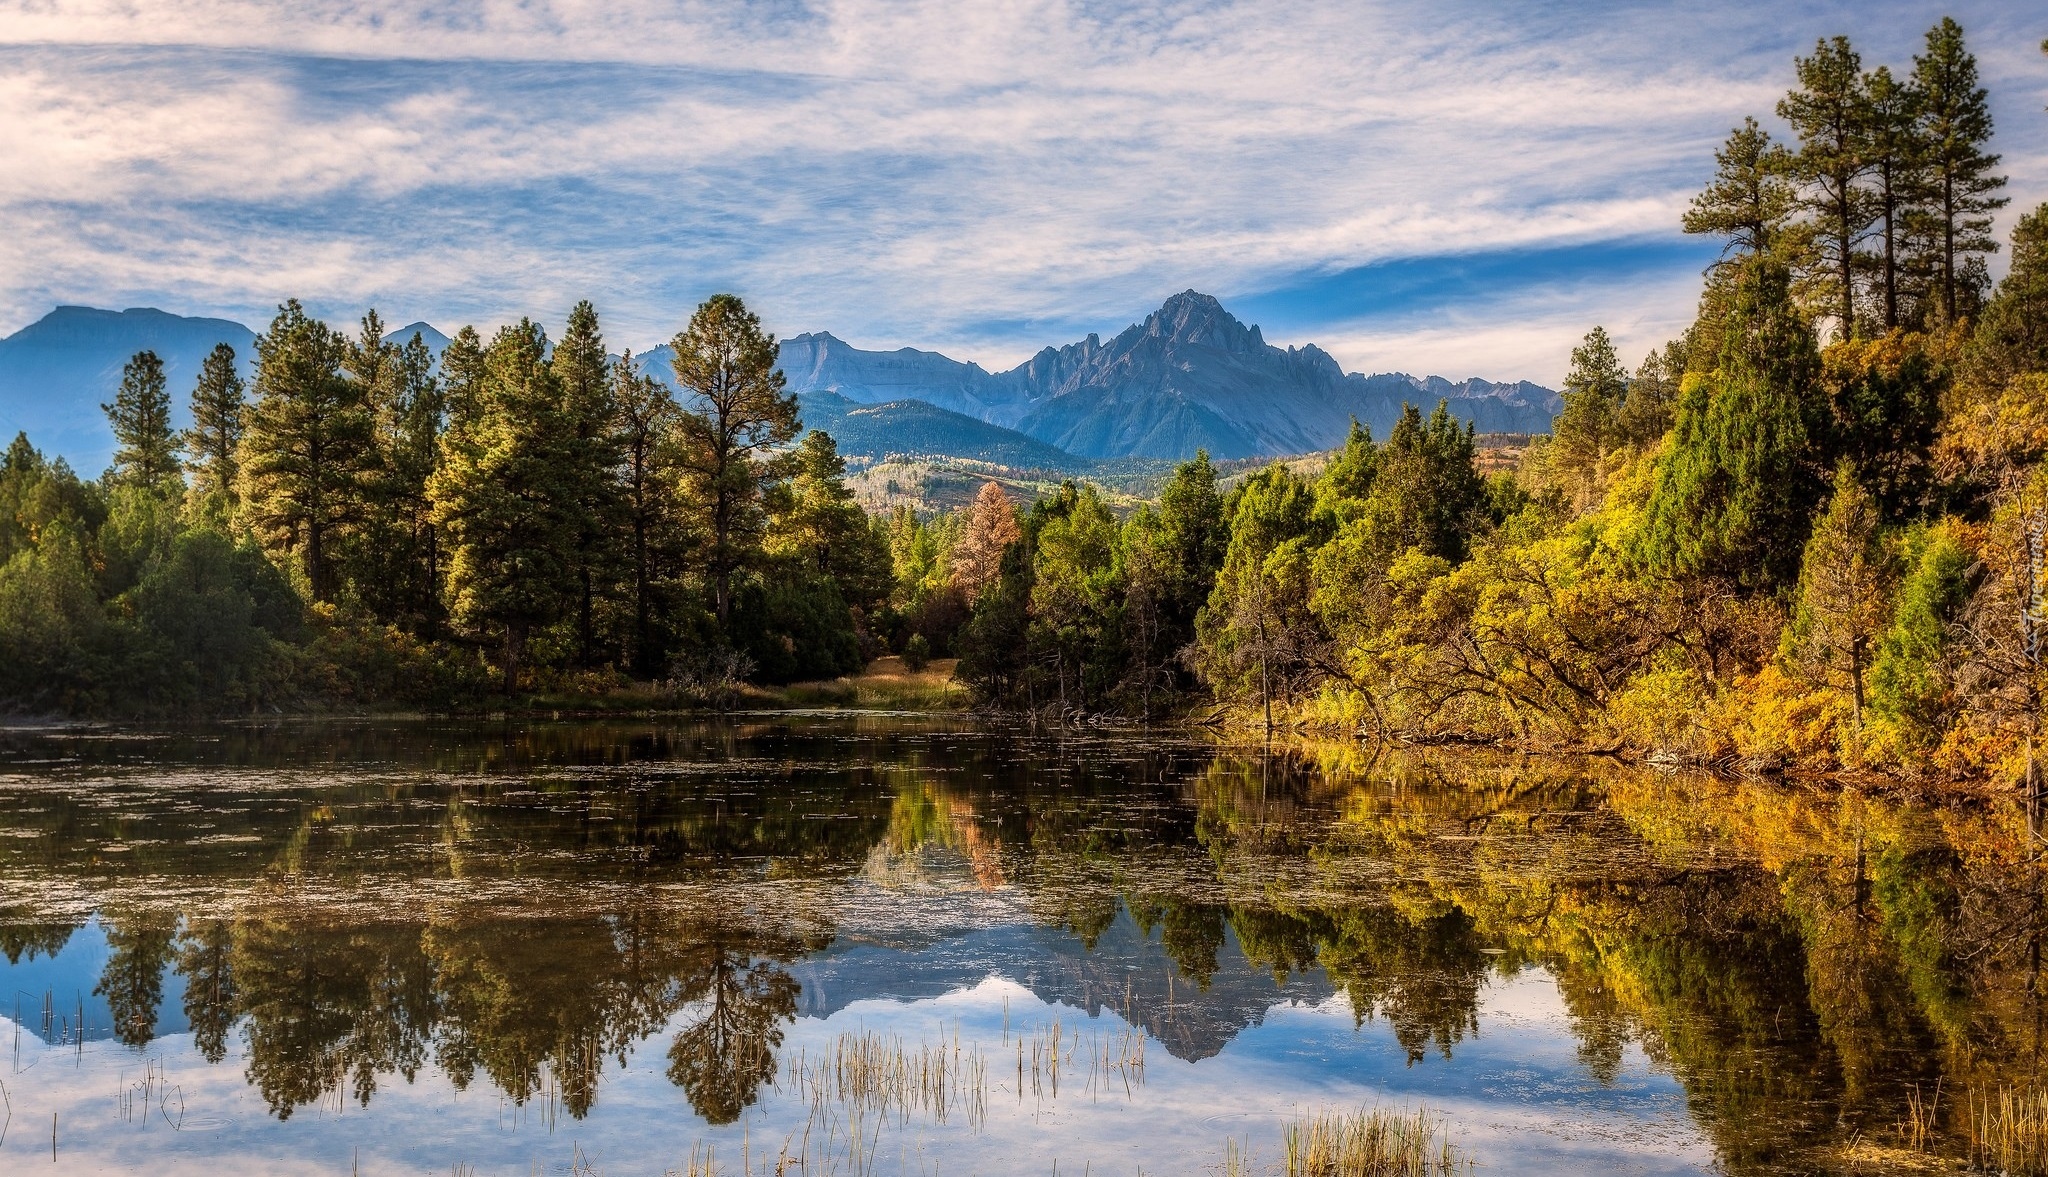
(1954, 126)
(310, 447)
(505, 500)
(735, 415)
(1828, 112)
(147, 453)
(215, 439)
(583, 370)
(643, 432)
(1750, 199)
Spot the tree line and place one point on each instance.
(368, 521)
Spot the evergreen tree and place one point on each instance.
(1842, 586)
(643, 434)
(1588, 425)
(2012, 336)
(820, 526)
(1893, 148)
(1652, 397)
(405, 549)
(504, 498)
(1828, 112)
(462, 374)
(371, 362)
(1734, 496)
(735, 416)
(1074, 598)
(147, 453)
(1750, 199)
(1257, 630)
(310, 446)
(583, 370)
(213, 442)
(1954, 126)
(1428, 494)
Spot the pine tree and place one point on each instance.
(503, 501)
(1588, 425)
(736, 413)
(643, 433)
(462, 374)
(1842, 591)
(1750, 199)
(218, 403)
(1652, 397)
(2012, 336)
(147, 453)
(1734, 496)
(406, 549)
(310, 446)
(820, 525)
(991, 528)
(1954, 126)
(1828, 114)
(1893, 148)
(583, 370)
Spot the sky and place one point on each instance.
(1437, 186)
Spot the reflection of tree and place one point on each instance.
(562, 994)
(22, 936)
(331, 1003)
(1191, 933)
(205, 955)
(138, 946)
(721, 1059)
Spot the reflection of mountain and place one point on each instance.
(1128, 972)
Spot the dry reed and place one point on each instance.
(1372, 1142)
(2009, 1132)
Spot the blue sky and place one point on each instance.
(1458, 188)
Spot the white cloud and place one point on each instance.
(901, 173)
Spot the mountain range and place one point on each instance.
(1190, 376)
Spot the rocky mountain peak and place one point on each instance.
(1192, 317)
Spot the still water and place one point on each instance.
(886, 945)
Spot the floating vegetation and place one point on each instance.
(1372, 1142)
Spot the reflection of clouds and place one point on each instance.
(1302, 1058)
(982, 178)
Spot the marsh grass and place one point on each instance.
(1372, 1142)
(885, 685)
(2008, 1131)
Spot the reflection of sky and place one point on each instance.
(1515, 1095)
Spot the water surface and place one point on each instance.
(431, 947)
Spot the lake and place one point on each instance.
(839, 943)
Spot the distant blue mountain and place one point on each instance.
(1190, 376)
(56, 372)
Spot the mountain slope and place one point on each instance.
(1191, 376)
(56, 372)
(912, 429)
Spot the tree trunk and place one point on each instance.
(512, 642)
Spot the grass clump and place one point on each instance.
(1373, 1142)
